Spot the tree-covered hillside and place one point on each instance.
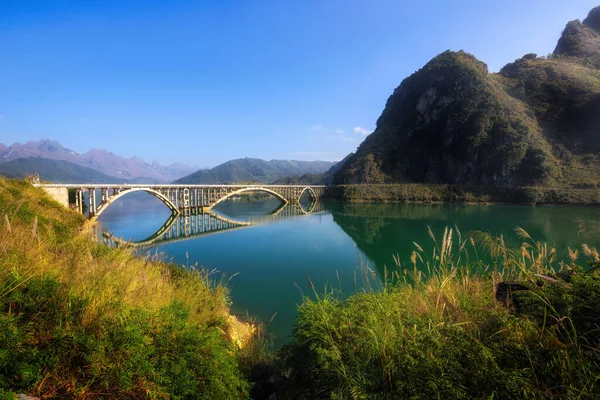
(324, 178)
(255, 169)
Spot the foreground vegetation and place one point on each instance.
(446, 336)
(78, 319)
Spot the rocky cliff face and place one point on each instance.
(536, 122)
(593, 19)
(579, 40)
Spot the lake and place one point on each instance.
(271, 261)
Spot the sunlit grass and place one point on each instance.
(80, 319)
(434, 329)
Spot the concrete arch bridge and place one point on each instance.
(178, 198)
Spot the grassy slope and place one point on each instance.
(446, 336)
(78, 319)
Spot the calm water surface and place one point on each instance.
(272, 260)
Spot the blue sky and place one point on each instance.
(202, 82)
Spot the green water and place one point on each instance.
(273, 261)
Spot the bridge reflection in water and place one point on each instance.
(185, 226)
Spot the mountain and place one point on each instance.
(536, 122)
(255, 169)
(98, 159)
(304, 179)
(336, 167)
(324, 178)
(57, 171)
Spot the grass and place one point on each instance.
(79, 319)
(442, 334)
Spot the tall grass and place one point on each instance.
(435, 329)
(79, 319)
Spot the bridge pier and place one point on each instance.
(79, 196)
(91, 202)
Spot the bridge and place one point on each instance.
(178, 198)
(180, 227)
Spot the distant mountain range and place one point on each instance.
(324, 178)
(256, 170)
(55, 171)
(98, 159)
(55, 163)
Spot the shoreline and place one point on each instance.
(417, 193)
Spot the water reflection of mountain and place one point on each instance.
(245, 210)
(384, 230)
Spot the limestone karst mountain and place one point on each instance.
(536, 122)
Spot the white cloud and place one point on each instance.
(341, 134)
(362, 131)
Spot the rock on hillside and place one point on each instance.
(593, 19)
(534, 123)
(580, 40)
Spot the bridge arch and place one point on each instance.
(250, 189)
(311, 191)
(158, 236)
(310, 209)
(111, 199)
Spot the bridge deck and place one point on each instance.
(164, 185)
(176, 197)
